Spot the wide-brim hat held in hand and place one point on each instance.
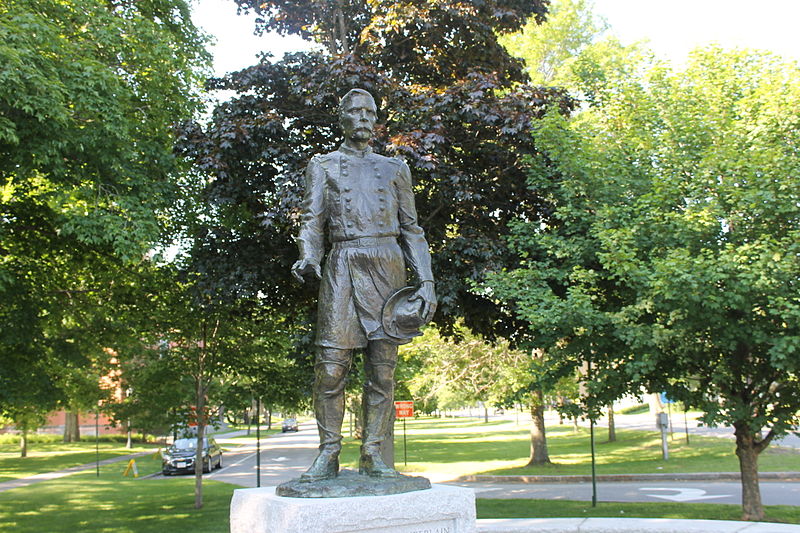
(401, 316)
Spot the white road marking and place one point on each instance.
(683, 495)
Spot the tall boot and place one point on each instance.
(378, 405)
(330, 370)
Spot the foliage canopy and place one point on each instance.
(672, 261)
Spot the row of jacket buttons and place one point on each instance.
(375, 168)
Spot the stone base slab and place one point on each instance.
(350, 483)
(440, 509)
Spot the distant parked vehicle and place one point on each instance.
(289, 424)
(179, 458)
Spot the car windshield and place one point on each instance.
(187, 444)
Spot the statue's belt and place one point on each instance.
(365, 242)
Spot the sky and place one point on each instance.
(672, 27)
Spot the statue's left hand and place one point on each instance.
(427, 294)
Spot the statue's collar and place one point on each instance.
(356, 153)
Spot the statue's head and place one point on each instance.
(357, 115)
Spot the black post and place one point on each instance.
(685, 424)
(97, 442)
(591, 437)
(405, 444)
(669, 410)
(258, 442)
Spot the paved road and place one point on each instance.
(772, 493)
(283, 457)
(286, 456)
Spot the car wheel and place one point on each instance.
(207, 466)
(219, 462)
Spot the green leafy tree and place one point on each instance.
(673, 260)
(570, 28)
(89, 91)
(459, 371)
(452, 102)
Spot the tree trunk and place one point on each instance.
(23, 443)
(612, 428)
(539, 453)
(485, 414)
(355, 408)
(654, 401)
(269, 418)
(198, 456)
(747, 450)
(72, 431)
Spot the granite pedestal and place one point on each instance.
(440, 509)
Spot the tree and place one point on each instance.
(460, 371)
(674, 263)
(454, 103)
(88, 96)
(570, 28)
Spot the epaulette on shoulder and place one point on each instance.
(325, 157)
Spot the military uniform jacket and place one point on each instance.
(360, 204)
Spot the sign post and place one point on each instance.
(258, 441)
(404, 410)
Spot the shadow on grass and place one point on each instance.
(114, 504)
(54, 457)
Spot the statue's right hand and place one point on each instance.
(303, 267)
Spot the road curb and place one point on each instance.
(611, 478)
(627, 525)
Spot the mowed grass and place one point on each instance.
(53, 456)
(112, 503)
(82, 502)
(518, 508)
(462, 446)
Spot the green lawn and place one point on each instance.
(470, 446)
(51, 456)
(111, 503)
(561, 509)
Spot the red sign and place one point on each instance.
(404, 409)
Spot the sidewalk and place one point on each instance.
(47, 476)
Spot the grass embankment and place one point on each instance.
(264, 434)
(52, 456)
(500, 447)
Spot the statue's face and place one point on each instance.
(358, 118)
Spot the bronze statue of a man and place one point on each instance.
(366, 203)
